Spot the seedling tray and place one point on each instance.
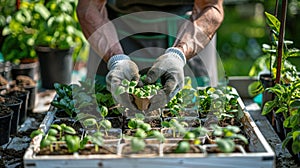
(260, 155)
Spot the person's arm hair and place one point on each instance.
(97, 28)
(193, 36)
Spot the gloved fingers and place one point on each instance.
(172, 85)
(154, 74)
(126, 100)
(132, 72)
(157, 101)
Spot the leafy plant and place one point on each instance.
(20, 32)
(220, 102)
(51, 23)
(226, 137)
(58, 134)
(191, 137)
(132, 87)
(178, 127)
(285, 100)
(142, 131)
(268, 62)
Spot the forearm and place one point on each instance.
(193, 36)
(98, 29)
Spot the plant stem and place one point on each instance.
(276, 8)
(280, 41)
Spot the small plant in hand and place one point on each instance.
(141, 94)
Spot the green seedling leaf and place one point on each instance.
(139, 116)
(137, 144)
(52, 132)
(268, 107)
(125, 82)
(36, 133)
(225, 145)
(273, 22)
(158, 135)
(255, 88)
(132, 124)
(120, 90)
(103, 111)
(73, 143)
(133, 83)
(140, 133)
(69, 130)
(90, 122)
(183, 147)
(56, 126)
(189, 136)
(145, 126)
(106, 124)
(44, 143)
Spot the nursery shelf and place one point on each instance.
(260, 155)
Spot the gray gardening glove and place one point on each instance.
(169, 68)
(121, 67)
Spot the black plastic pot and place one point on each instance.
(279, 119)
(5, 124)
(29, 69)
(55, 66)
(23, 95)
(31, 97)
(267, 81)
(16, 106)
(5, 70)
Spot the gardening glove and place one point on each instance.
(169, 68)
(121, 67)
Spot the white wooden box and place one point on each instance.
(261, 154)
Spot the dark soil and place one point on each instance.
(72, 123)
(3, 81)
(217, 150)
(4, 110)
(11, 157)
(149, 149)
(8, 100)
(25, 81)
(116, 122)
(172, 149)
(155, 122)
(63, 150)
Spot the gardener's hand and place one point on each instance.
(121, 67)
(169, 68)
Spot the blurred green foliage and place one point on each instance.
(244, 30)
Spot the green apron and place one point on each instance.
(144, 47)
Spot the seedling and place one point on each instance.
(141, 95)
(142, 131)
(225, 137)
(176, 126)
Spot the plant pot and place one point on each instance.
(267, 81)
(5, 124)
(15, 105)
(55, 66)
(141, 103)
(31, 97)
(26, 69)
(279, 125)
(5, 70)
(22, 95)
